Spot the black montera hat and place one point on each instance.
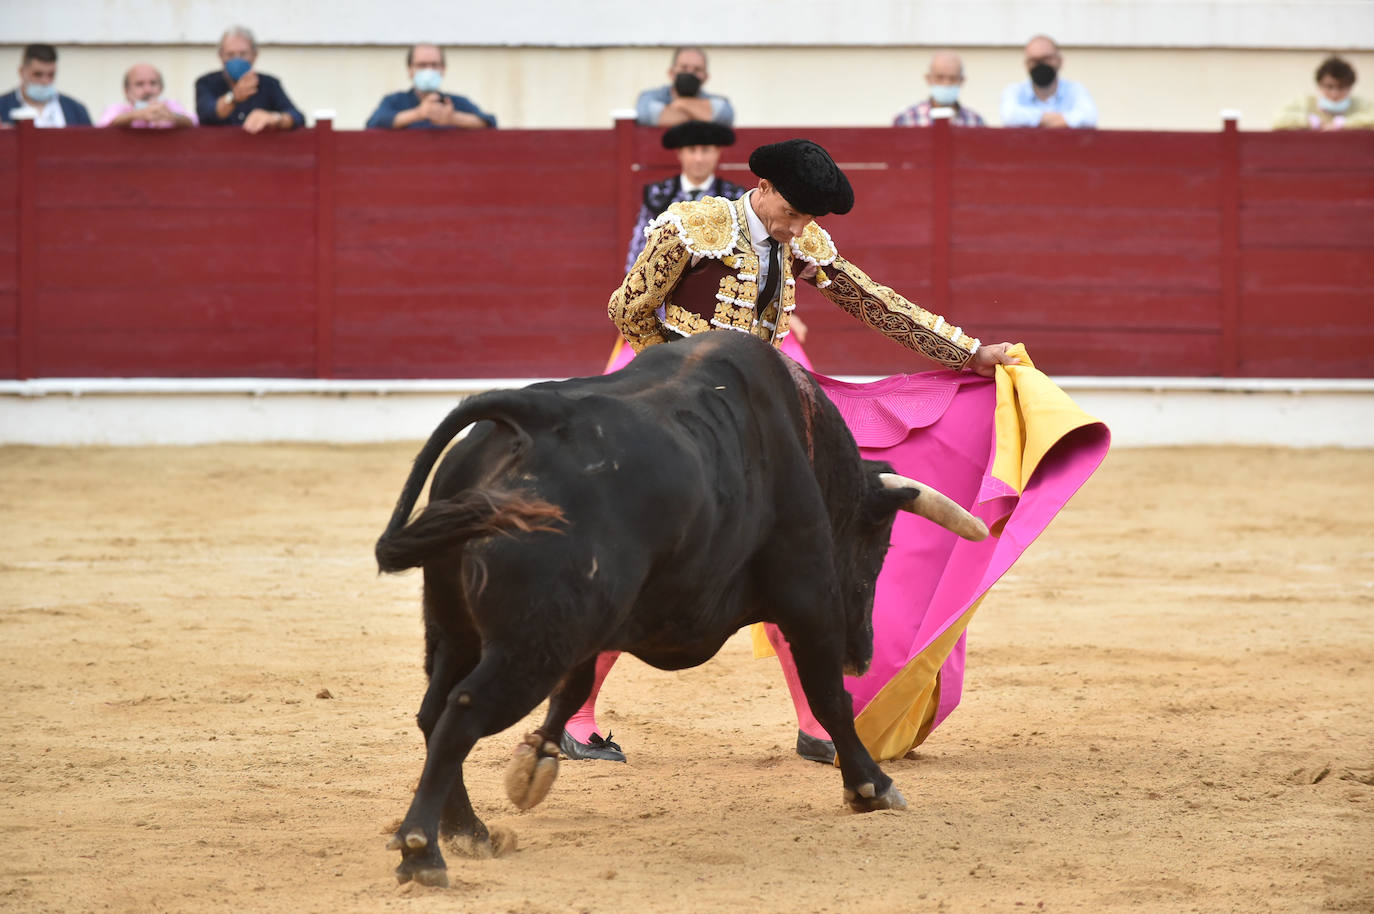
(698, 133)
(805, 175)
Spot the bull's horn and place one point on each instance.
(934, 505)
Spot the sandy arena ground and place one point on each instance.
(209, 697)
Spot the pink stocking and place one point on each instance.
(806, 721)
(583, 722)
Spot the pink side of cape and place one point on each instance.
(931, 577)
(937, 427)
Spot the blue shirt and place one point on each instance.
(396, 102)
(652, 102)
(1021, 107)
(269, 97)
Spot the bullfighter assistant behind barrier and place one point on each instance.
(720, 264)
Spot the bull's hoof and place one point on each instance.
(867, 799)
(499, 842)
(420, 858)
(531, 771)
(422, 873)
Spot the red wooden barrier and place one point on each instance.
(437, 254)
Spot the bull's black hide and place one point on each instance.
(708, 485)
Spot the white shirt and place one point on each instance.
(689, 188)
(758, 237)
(50, 115)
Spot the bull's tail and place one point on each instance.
(442, 525)
(471, 513)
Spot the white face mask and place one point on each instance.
(40, 92)
(944, 95)
(427, 79)
(1331, 107)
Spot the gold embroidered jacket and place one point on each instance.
(699, 260)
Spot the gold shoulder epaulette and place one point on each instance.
(814, 246)
(707, 226)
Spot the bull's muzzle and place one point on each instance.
(936, 506)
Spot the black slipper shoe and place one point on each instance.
(815, 750)
(594, 748)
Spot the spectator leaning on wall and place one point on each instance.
(238, 95)
(38, 90)
(424, 105)
(945, 77)
(682, 99)
(144, 104)
(1333, 107)
(1045, 100)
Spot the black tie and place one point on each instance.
(696, 193)
(770, 286)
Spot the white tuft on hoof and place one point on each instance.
(415, 839)
(868, 791)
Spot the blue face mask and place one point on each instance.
(236, 67)
(428, 79)
(1331, 107)
(40, 92)
(944, 95)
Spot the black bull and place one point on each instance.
(708, 485)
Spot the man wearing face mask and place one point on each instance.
(1332, 107)
(144, 104)
(237, 95)
(424, 106)
(38, 90)
(1045, 100)
(945, 78)
(682, 99)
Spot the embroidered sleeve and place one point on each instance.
(893, 316)
(637, 238)
(647, 285)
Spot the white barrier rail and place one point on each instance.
(1287, 412)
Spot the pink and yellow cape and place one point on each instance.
(1012, 449)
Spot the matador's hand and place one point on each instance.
(987, 358)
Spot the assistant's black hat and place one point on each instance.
(698, 133)
(805, 175)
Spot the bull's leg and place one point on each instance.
(495, 695)
(820, 665)
(450, 665)
(450, 656)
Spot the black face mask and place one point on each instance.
(687, 84)
(1043, 75)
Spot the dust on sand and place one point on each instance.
(209, 702)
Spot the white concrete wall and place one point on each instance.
(1312, 24)
(1151, 64)
(1138, 88)
(1139, 411)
